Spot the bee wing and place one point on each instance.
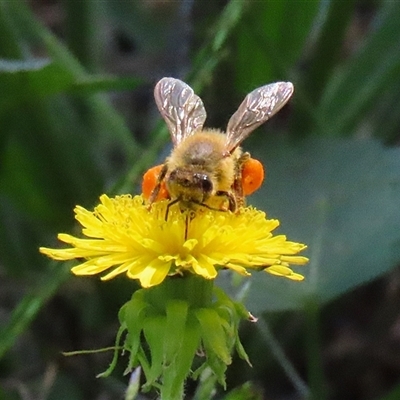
(181, 108)
(257, 107)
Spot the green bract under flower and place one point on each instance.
(181, 320)
(123, 235)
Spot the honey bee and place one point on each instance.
(208, 167)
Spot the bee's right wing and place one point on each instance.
(257, 107)
(181, 108)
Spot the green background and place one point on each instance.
(77, 119)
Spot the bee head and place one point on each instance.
(189, 185)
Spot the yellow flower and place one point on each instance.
(125, 236)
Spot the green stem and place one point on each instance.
(284, 362)
(313, 342)
(82, 31)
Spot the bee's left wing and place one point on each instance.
(181, 108)
(257, 107)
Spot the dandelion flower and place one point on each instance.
(125, 236)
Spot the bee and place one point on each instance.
(208, 167)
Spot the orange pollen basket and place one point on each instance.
(149, 182)
(252, 176)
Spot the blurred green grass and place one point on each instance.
(77, 119)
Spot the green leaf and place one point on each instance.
(266, 46)
(326, 45)
(175, 327)
(19, 252)
(244, 392)
(37, 77)
(10, 47)
(26, 79)
(43, 136)
(133, 314)
(104, 83)
(153, 326)
(359, 85)
(108, 119)
(208, 57)
(384, 122)
(82, 29)
(27, 309)
(177, 371)
(341, 198)
(190, 344)
(213, 335)
(393, 395)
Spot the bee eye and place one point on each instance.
(206, 183)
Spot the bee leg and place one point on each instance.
(157, 187)
(186, 226)
(189, 216)
(233, 205)
(205, 205)
(171, 203)
(237, 186)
